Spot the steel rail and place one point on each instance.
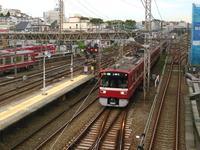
(160, 108)
(63, 126)
(177, 105)
(53, 119)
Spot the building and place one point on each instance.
(13, 12)
(23, 26)
(182, 24)
(155, 25)
(15, 17)
(7, 22)
(53, 15)
(38, 25)
(76, 24)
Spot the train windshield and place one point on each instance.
(114, 80)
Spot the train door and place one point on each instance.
(8, 60)
(2, 61)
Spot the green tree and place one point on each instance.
(96, 20)
(109, 22)
(1, 15)
(84, 18)
(8, 14)
(130, 22)
(81, 45)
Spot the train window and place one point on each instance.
(123, 83)
(114, 82)
(133, 78)
(25, 57)
(136, 75)
(19, 58)
(104, 82)
(1, 61)
(8, 60)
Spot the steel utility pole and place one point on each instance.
(188, 37)
(15, 58)
(60, 22)
(147, 51)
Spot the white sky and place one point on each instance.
(170, 10)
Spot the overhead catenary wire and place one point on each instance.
(85, 8)
(131, 4)
(158, 10)
(77, 111)
(77, 8)
(88, 9)
(98, 11)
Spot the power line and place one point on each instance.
(158, 10)
(98, 11)
(131, 4)
(88, 9)
(74, 6)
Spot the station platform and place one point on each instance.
(192, 118)
(15, 111)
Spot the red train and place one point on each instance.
(119, 81)
(25, 60)
(36, 49)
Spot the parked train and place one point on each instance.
(118, 82)
(24, 60)
(38, 50)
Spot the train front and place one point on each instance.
(113, 88)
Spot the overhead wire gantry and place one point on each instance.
(147, 52)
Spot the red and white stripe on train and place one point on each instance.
(24, 60)
(36, 49)
(118, 82)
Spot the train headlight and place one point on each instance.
(123, 93)
(102, 91)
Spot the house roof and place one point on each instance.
(54, 24)
(22, 25)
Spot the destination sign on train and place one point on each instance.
(113, 74)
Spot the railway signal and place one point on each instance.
(96, 48)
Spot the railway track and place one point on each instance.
(166, 129)
(52, 75)
(58, 65)
(19, 91)
(108, 130)
(26, 141)
(31, 141)
(55, 75)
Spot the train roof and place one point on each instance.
(7, 53)
(128, 62)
